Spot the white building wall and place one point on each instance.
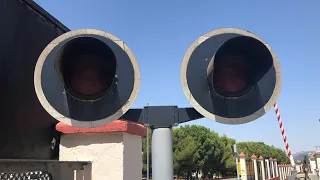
(104, 150)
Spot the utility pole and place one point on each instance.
(148, 149)
(235, 151)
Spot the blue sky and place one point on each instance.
(159, 33)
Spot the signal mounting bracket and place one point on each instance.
(161, 116)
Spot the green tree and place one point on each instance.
(264, 150)
(144, 151)
(227, 163)
(196, 148)
(184, 156)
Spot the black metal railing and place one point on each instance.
(34, 175)
(23, 169)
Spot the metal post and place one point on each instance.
(235, 150)
(148, 153)
(162, 155)
(238, 177)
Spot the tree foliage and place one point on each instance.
(144, 151)
(227, 163)
(195, 148)
(199, 149)
(264, 150)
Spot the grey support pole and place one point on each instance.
(162, 155)
(161, 119)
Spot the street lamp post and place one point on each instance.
(235, 151)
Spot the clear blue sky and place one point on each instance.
(159, 33)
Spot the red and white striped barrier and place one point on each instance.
(284, 134)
